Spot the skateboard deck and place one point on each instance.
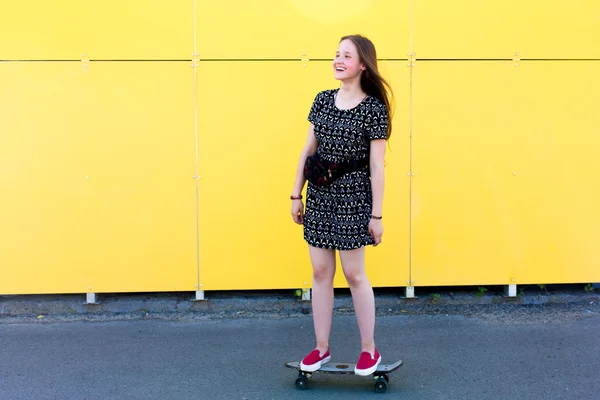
(380, 375)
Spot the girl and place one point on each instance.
(347, 124)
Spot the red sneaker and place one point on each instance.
(367, 364)
(314, 360)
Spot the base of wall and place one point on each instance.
(91, 298)
(199, 296)
(94, 302)
(510, 290)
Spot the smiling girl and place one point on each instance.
(348, 126)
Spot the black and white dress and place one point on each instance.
(337, 216)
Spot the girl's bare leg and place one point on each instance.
(353, 264)
(323, 262)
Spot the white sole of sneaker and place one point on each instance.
(315, 366)
(365, 372)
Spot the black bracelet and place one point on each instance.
(374, 217)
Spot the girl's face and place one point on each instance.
(346, 64)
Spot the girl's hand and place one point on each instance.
(298, 211)
(376, 230)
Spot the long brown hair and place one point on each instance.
(371, 81)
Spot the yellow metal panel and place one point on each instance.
(251, 133)
(250, 142)
(43, 201)
(385, 22)
(556, 170)
(299, 28)
(502, 28)
(461, 142)
(494, 147)
(97, 29)
(99, 164)
(42, 30)
(142, 168)
(140, 29)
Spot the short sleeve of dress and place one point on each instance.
(378, 128)
(316, 107)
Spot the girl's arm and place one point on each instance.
(377, 155)
(310, 148)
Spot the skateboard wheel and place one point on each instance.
(380, 386)
(380, 377)
(301, 383)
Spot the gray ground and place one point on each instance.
(496, 349)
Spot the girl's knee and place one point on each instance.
(323, 273)
(355, 278)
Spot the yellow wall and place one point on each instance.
(146, 147)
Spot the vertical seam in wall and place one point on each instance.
(410, 144)
(196, 135)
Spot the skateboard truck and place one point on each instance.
(380, 376)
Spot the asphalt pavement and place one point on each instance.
(549, 351)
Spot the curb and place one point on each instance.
(278, 304)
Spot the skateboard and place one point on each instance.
(380, 376)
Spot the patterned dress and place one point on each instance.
(337, 216)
